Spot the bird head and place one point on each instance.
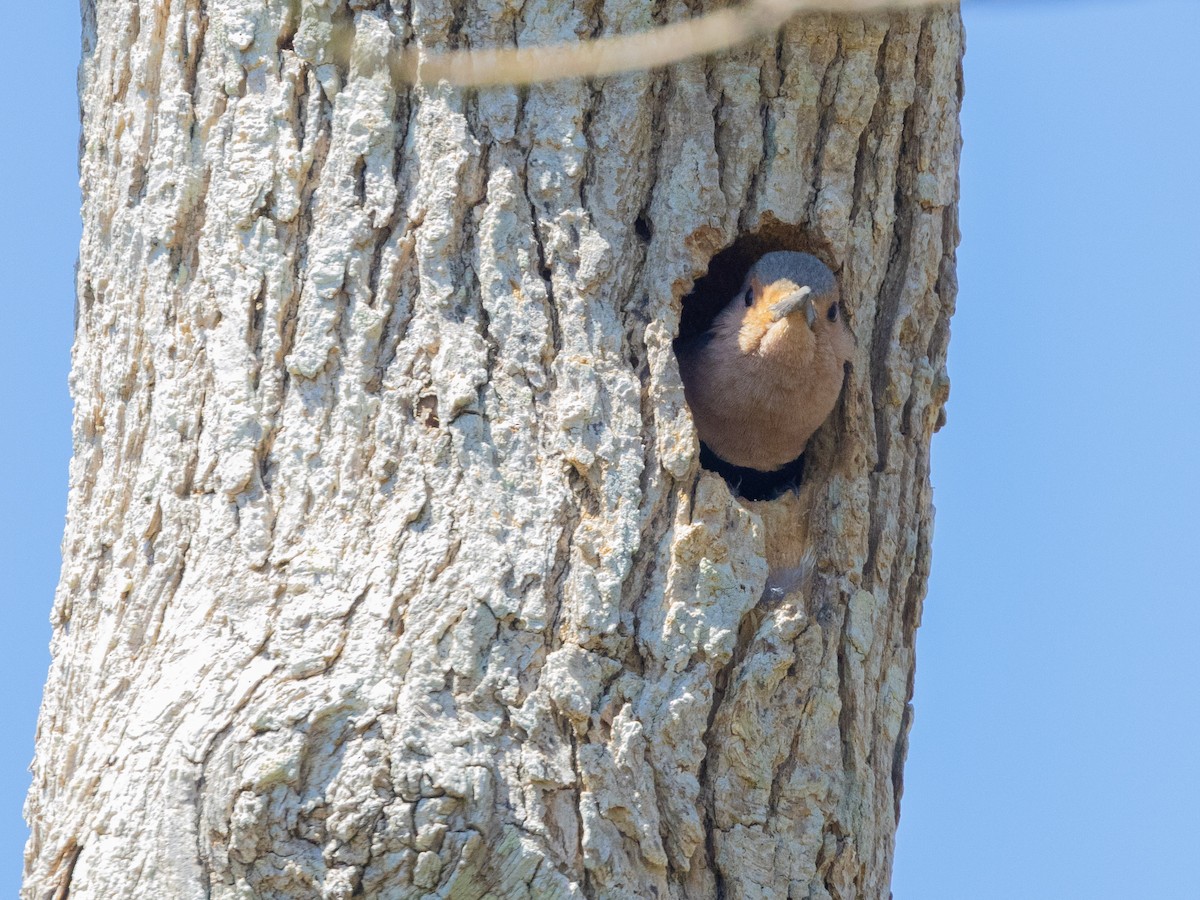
(793, 294)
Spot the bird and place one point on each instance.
(769, 369)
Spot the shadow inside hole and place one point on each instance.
(724, 278)
(751, 484)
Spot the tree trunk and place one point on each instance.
(390, 570)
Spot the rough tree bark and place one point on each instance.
(389, 568)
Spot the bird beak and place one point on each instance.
(793, 302)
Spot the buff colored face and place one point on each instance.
(769, 370)
(778, 307)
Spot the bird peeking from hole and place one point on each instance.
(767, 372)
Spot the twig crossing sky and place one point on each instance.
(662, 46)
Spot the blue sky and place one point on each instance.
(1054, 753)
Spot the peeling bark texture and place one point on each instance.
(390, 570)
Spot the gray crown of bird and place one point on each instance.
(769, 369)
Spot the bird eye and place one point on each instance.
(749, 296)
(832, 315)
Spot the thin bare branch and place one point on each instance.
(711, 33)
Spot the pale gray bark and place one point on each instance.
(389, 568)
